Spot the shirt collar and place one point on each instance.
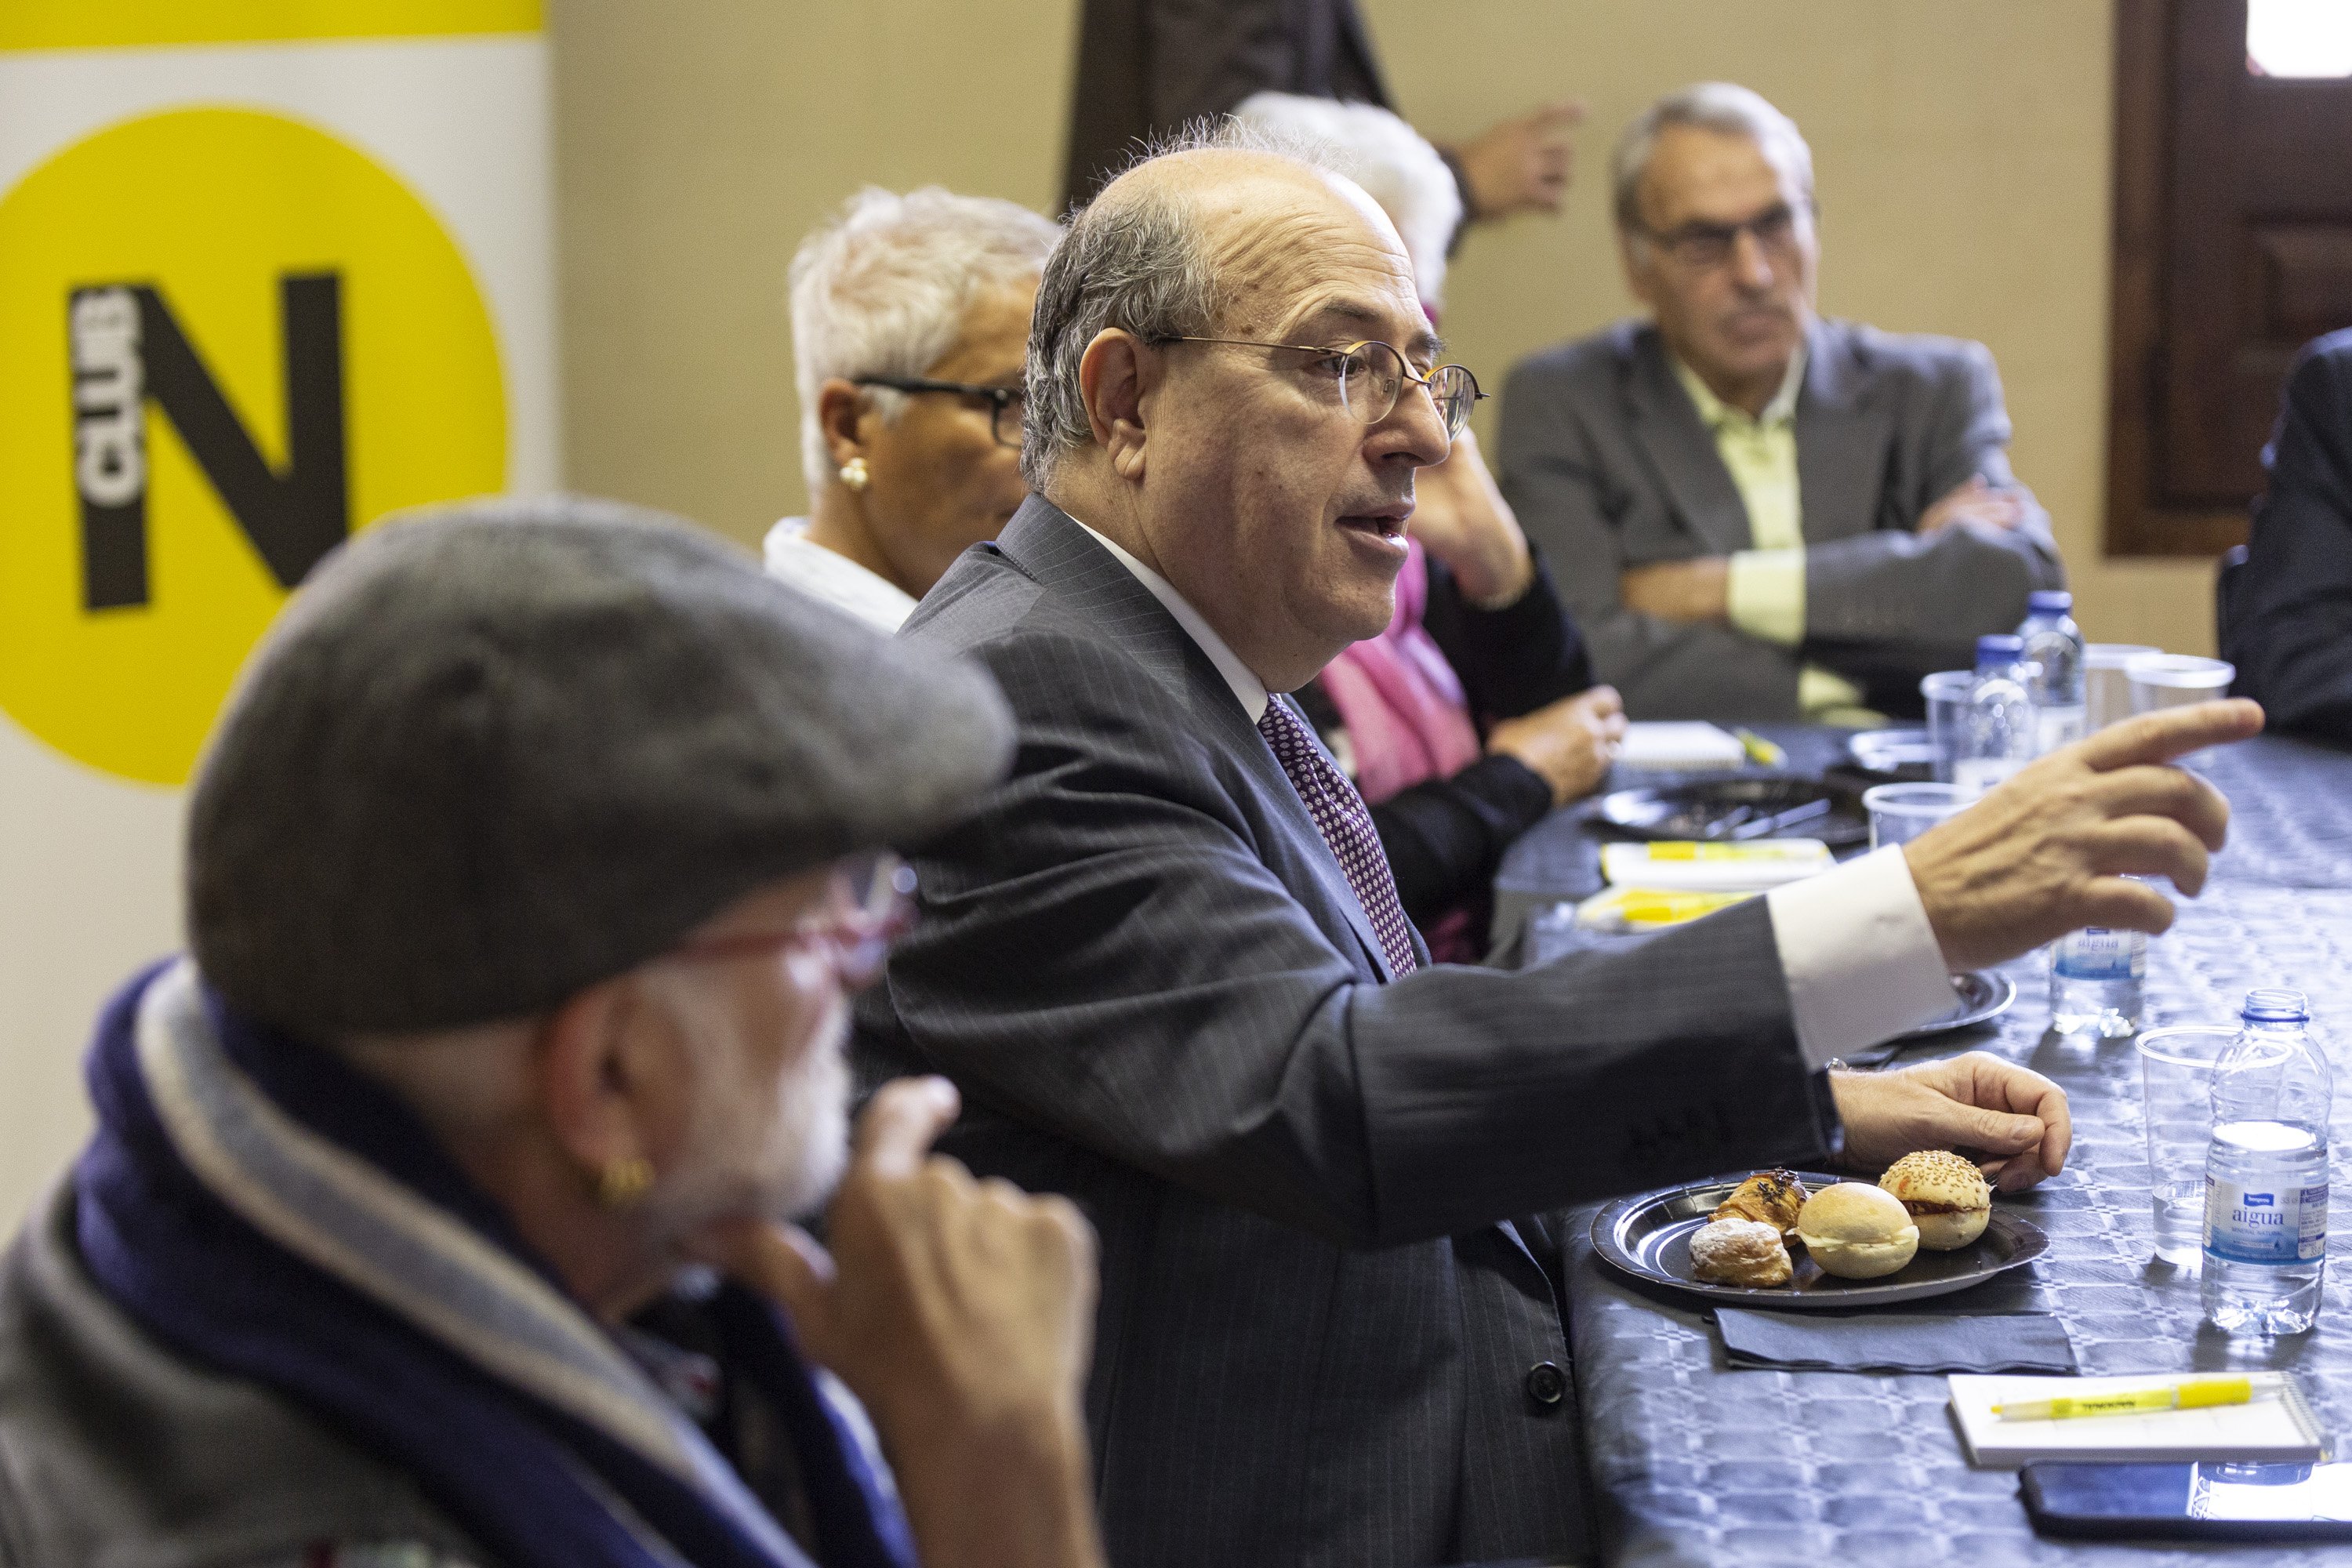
(1714, 412)
(1247, 688)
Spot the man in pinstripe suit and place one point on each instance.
(1170, 984)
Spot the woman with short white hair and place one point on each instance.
(910, 331)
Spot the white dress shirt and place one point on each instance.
(1862, 962)
(835, 578)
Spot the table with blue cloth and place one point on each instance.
(1693, 1462)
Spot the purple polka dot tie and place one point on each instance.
(1346, 826)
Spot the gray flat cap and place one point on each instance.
(491, 754)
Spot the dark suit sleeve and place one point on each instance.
(1890, 605)
(2289, 627)
(1208, 55)
(1104, 953)
(1571, 500)
(1525, 656)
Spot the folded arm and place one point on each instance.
(1664, 667)
(1904, 602)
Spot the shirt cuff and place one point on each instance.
(1764, 595)
(1861, 961)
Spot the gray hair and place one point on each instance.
(1719, 106)
(1139, 263)
(882, 287)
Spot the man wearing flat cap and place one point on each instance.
(1166, 961)
(432, 1215)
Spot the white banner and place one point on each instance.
(257, 291)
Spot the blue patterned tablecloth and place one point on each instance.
(1695, 1463)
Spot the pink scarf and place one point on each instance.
(1407, 719)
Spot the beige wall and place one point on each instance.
(1962, 154)
(695, 144)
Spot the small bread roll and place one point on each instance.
(1857, 1232)
(1739, 1252)
(1945, 1195)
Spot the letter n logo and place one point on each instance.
(128, 348)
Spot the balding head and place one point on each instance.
(1177, 247)
(1190, 368)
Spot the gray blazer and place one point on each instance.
(1608, 466)
(1322, 1339)
(116, 1449)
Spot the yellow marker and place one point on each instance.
(2199, 1394)
(1761, 751)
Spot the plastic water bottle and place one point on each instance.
(1998, 730)
(2266, 1173)
(2055, 643)
(2095, 982)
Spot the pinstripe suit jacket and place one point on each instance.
(1158, 997)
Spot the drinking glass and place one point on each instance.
(1901, 812)
(2106, 690)
(1947, 693)
(2177, 1092)
(2170, 680)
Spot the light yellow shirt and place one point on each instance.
(1765, 594)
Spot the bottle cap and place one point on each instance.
(2049, 601)
(2279, 1007)
(2000, 647)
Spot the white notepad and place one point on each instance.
(2276, 1428)
(1681, 746)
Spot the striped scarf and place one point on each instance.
(264, 1210)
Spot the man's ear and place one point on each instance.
(840, 410)
(612, 1076)
(1114, 375)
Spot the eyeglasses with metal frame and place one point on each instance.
(1372, 375)
(1702, 245)
(871, 901)
(1001, 400)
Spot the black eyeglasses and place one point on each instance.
(1700, 246)
(1372, 375)
(1008, 407)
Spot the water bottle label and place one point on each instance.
(2058, 727)
(2245, 1224)
(2102, 954)
(1981, 773)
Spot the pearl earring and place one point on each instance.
(852, 473)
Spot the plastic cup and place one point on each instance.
(1901, 812)
(2170, 680)
(2106, 690)
(1947, 692)
(2177, 1094)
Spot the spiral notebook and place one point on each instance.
(2277, 1427)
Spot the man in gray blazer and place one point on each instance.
(1753, 512)
(1165, 964)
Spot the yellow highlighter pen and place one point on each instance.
(2198, 1394)
(1760, 751)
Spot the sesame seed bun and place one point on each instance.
(1946, 1196)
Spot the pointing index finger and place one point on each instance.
(2170, 733)
(905, 1118)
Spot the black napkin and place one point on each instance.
(1897, 1342)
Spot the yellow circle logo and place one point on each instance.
(227, 340)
